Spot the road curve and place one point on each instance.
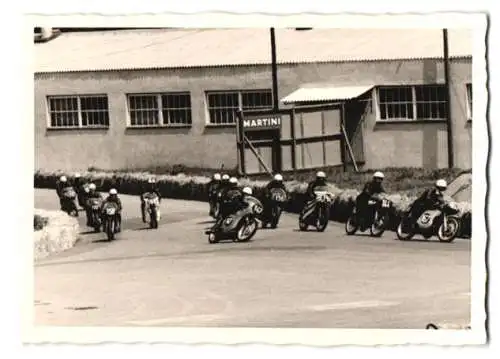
(283, 278)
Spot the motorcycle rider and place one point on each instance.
(431, 198)
(90, 193)
(371, 189)
(213, 187)
(61, 184)
(79, 189)
(276, 182)
(151, 187)
(113, 198)
(319, 181)
(231, 201)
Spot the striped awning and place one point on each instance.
(326, 93)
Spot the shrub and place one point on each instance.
(186, 187)
(60, 232)
(40, 222)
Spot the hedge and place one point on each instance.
(185, 187)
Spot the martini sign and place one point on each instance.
(261, 122)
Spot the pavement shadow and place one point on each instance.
(206, 222)
(88, 232)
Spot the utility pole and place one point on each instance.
(451, 160)
(274, 71)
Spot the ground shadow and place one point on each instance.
(207, 222)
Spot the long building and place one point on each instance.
(128, 99)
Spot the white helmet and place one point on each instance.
(321, 174)
(225, 177)
(278, 177)
(378, 174)
(92, 186)
(217, 177)
(113, 191)
(63, 179)
(86, 189)
(441, 183)
(233, 180)
(248, 191)
(77, 175)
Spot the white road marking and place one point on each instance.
(171, 320)
(351, 305)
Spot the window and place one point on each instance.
(423, 102)
(160, 110)
(85, 111)
(469, 101)
(222, 106)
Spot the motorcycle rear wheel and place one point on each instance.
(402, 236)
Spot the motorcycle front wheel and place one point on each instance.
(276, 214)
(110, 230)
(153, 222)
(449, 233)
(350, 225)
(378, 226)
(322, 221)
(246, 231)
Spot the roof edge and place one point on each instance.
(457, 57)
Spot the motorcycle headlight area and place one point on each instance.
(110, 211)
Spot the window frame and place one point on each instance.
(469, 101)
(414, 102)
(239, 92)
(160, 109)
(78, 110)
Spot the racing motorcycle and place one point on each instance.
(376, 217)
(317, 212)
(95, 213)
(152, 205)
(240, 226)
(110, 220)
(69, 201)
(274, 207)
(442, 222)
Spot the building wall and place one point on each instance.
(205, 146)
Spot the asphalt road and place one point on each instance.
(172, 276)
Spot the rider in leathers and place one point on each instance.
(231, 201)
(113, 197)
(432, 198)
(60, 186)
(92, 193)
(276, 182)
(79, 189)
(319, 181)
(212, 188)
(371, 189)
(151, 187)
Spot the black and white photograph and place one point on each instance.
(260, 176)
